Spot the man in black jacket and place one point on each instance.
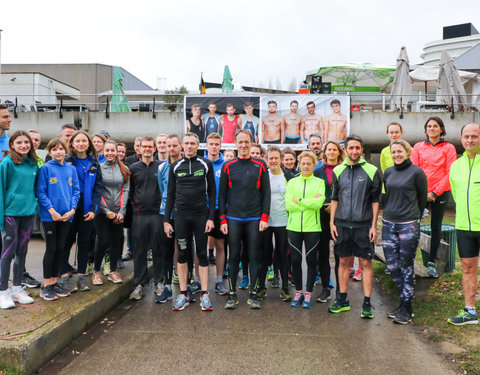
(244, 204)
(191, 188)
(146, 222)
(356, 187)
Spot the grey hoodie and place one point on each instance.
(115, 191)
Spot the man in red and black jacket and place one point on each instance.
(244, 204)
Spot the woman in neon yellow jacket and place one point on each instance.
(303, 199)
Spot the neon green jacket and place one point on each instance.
(465, 184)
(304, 216)
(386, 160)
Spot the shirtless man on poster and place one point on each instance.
(336, 124)
(293, 122)
(273, 125)
(312, 123)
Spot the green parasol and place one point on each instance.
(227, 85)
(119, 100)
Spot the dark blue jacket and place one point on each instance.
(93, 184)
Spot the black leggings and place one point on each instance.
(295, 243)
(56, 233)
(280, 253)
(323, 260)
(186, 227)
(167, 249)
(109, 235)
(81, 232)
(437, 211)
(248, 233)
(244, 260)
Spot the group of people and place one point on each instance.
(255, 208)
(292, 128)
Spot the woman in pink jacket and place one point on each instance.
(435, 156)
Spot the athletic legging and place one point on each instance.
(248, 233)
(280, 252)
(323, 264)
(438, 210)
(15, 236)
(109, 235)
(244, 259)
(400, 247)
(187, 228)
(295, 244)
(81, 231)
(167, 249)
(56, 233)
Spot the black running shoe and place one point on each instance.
(232, 301)
(393, 314)
(59, 290)
(324, 295)
(254, 302)
(28, 281)
(402, 316)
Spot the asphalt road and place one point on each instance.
(148, 338)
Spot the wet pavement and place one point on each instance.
(149, 338)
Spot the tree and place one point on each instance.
(293, 86)
(174, 101)
(278, 84)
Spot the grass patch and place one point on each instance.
(470, 361)
(34, 293)
(384, 279)
(444, 299)
(8, 370)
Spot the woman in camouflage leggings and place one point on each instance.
(405, 199)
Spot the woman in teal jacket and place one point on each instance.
(18, 205)
(303, 199)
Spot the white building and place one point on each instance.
(34, 91)
(457, 39)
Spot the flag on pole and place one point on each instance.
(202, 84)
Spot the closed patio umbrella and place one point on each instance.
(450, 89)
(402, 83)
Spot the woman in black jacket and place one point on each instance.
(405, 200)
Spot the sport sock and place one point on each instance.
(218, 279)
(366, 299)
(471, 310)
(343, 297)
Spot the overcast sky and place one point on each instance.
(260, 40)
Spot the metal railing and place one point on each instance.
(360, 102)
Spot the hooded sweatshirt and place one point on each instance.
(57, 187)
(17, 188)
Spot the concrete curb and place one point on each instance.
(33, 351)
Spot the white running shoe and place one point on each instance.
(6, 301)
(19, 295)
